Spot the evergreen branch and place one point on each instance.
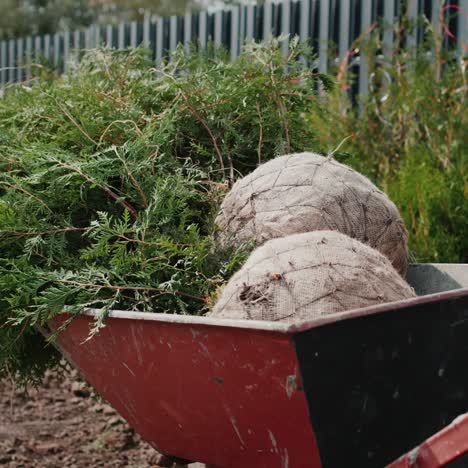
(26, 192)
(44, 233)
(105, 188)
(131, 288)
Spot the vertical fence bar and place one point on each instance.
(234, 32)
(88, 38)
(133, 34)
(97, 41)
(286, 24)
(323, 35)
(343, 45)
(249, 29)
(389, 18)
(11, 61)
(47, 47)
(202, 32)
(267, 16)
(462, 27)
(56, 51)
(37, 48)
(187, 30)
(242, 16)
(20, 60)
(66, 50)
(411, 39)
(109, 34)
(121, 36)
(366, 12)
(3, 62)
(218, 28)
(76, 41)
(173, 33)
(146, 31)
(28, 57)
(159, 39)
(304, 27)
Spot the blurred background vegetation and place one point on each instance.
(23, 17)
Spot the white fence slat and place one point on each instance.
(323, 35)
(187, 30)
(411, 39)
(146, 31)
(389, 20)
(76, 40)
(97, 36)
(66, 50)
(47, 46)
(88, 35)
(462, 27)
(202, 32)
(345, 10)
(11, 60)
(286, 24)
(3, 62)
(19, 59)
(234, 32)
(218, 28)
(366, 13)
(159, 39)
(56, 48)
(28, 57)
(267, 17)
(133, 34)
(249, 31)
(173, 33)
(242, 25)
(121, 36)
(305, 20)
(109, 34)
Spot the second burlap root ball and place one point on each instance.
(306, 276)
(306, 192)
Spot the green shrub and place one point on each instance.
(111, 175)
(414, 146)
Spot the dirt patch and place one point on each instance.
(62, 424)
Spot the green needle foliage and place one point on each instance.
(110, 178)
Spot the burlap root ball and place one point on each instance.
(306, 192)
(306, 276)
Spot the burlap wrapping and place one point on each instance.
(306, 192)
(306, 276)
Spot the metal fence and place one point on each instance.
(322, 22)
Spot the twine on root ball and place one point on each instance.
(306, 192)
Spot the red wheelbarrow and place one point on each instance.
(357, 389)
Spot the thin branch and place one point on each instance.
(140, 133)
(134, 181)
(80, 128)
(106, 189)
(21, 189)
(132, 288)
(44, 233)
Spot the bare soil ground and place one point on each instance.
(62, 424)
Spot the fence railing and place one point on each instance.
(322, 22)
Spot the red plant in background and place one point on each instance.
(444, 24)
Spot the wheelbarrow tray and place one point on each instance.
(356, 389)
